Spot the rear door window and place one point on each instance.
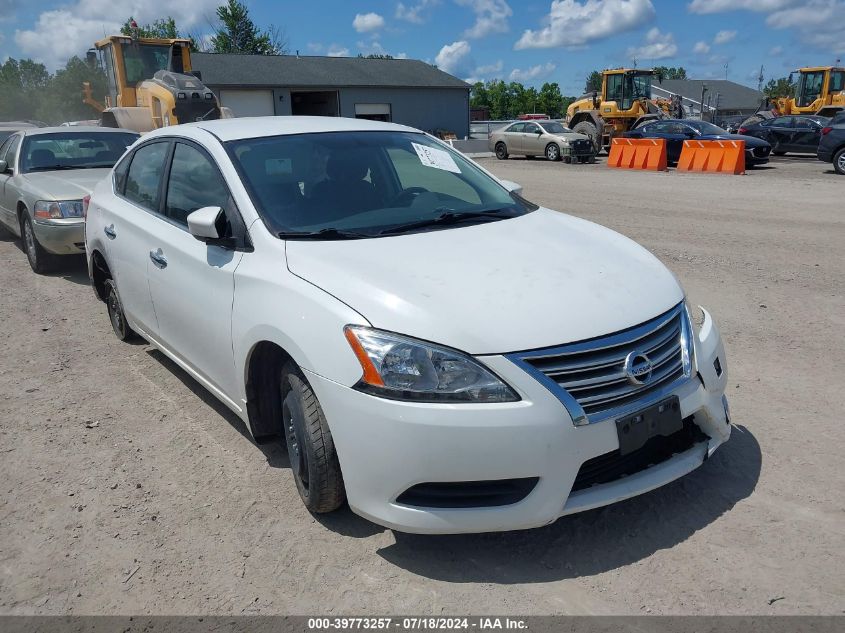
(143, 181)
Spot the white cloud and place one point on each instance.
(776, 51)
(336, 50)
(818, 23)
(702, 48)
(491, 16)
(367, 22)
(401, 55)
(455, 58)
(414, 13)
(490, 68)
(657, 46)
(529, 74)
(718, 6)
(723, 37)
(575, 23)
(72, 29)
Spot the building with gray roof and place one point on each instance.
(406, 91)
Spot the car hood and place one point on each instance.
(750, 141)
(73, 184)
(538, 280)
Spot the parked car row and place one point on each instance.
(676, 131)
(393, 313)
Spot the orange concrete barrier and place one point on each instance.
(638, 153)
(724, 157)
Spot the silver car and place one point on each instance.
(45, 174)
(541, 138)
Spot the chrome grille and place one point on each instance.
(591, 378)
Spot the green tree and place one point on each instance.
(550, 101)
(670, 72)
(164, 28)
(500, 99)
(779, 88)
(593, 83)
(63, 100)
(237, 33)
(375, 56)
(479, 97)
(23, 85)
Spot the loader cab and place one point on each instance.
(626, 87)
(809, 87)
(127, 62)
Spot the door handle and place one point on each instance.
(110, 232)
(158, 258)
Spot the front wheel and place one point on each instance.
(39, 259)
(552, 152)
(587, 128)
(501, 151)
(839, 162)
(313, 459)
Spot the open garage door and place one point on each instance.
(248, 102)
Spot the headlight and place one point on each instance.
(53, 210)
(564, 142)
(404, 368)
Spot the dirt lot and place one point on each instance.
(164, 505)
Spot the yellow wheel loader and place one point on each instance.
(818, 90)
(150, 84)
(625, 101)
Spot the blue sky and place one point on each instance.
(531, 41)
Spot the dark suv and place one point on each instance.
(832, 144)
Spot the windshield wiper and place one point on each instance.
(450, 218)
(51, 168)
(322, 234)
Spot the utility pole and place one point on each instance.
(701, 104)
(726, 70)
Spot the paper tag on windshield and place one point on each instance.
(437, 158)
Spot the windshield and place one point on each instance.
(366, 183)
(142, 61)
(636, 87)
(74, 150)
(809, 88)
(553, 127)
(706, 128)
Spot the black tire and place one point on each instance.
(567, 160)
(501, 151)
(313, 459)
(39, 259)
(839, 162)
(587, 128)
(552, 152)
(115, 309)
(778, 153)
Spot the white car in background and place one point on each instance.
(433, 348)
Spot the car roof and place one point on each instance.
(74, 130)
(257, 127)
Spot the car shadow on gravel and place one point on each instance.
(275, 451)
(74, 268)
(595, 541)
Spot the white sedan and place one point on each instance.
(433, 348)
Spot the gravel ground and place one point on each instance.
(127, 489)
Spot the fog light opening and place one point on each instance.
(718, 367)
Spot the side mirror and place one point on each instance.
(197, 74)
(204, 224)
(512, 187)
(4, 166)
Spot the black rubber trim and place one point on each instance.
(468, 494)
